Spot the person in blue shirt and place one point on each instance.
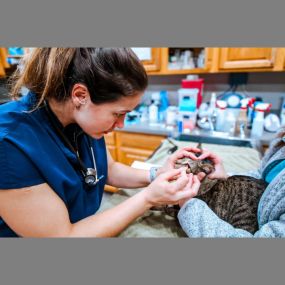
(53, 159)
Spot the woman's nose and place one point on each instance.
(120, 122)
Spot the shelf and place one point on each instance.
(185, 71)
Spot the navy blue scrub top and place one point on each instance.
(32, 153)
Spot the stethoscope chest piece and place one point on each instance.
(90, 177)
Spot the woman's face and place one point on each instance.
(98, 120)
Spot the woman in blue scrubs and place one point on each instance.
(53, 159)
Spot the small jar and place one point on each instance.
(171, 116)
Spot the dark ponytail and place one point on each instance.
(108, 73)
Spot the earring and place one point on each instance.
(83, 102)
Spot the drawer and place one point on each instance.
(113, 151)
(129, 155)
(141, 141)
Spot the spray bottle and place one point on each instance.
(258, 122)
(241, 127)
(221, 115)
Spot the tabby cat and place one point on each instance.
(235, 199)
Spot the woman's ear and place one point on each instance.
(79, 95)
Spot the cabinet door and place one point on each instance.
(2, 70)
(150, 57)
(167, 66)
(280, 59)
(134, 146)
(110, 141)
(243, 58)
(113, 151)
(3, 61)
(128, 155)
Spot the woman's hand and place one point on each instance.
(183, 152)
(165, 191)
(219, 167)
(194, 182)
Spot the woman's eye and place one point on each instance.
(118, 115)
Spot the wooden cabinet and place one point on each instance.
(156, 60)
(2, 70)
(280, 60)
(226, 59)
(110, 140)
(165, 54)
(127, 147)
(241, 59)
(3, 61)
(134, 146)
(154, 63)
(150, 58)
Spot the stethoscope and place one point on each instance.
(90, 174)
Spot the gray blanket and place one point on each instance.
(156, 224)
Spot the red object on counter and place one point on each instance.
(195, 83)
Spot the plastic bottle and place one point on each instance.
(250, 112)
(153, 113)
(201, 59)
(241, 128)
(171, 116)
(221, 115)
(212, 110)
(163, 105)
(213, 100)
(258, 123)
(230, 122)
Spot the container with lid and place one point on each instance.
(194, 82)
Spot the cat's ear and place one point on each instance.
(199, 145)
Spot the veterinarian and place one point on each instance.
(53, 159)
(198, 220)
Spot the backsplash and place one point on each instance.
(268, 85)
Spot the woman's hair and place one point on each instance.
(108, 73)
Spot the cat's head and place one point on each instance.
(195, 166)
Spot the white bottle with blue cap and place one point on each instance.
(153, 113)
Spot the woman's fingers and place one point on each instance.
(190, 148)
(201, 175)
(190, 190)
(185, 153)
(172, 174)
(181, 182)
(205, 154)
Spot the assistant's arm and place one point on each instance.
(198, 220)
